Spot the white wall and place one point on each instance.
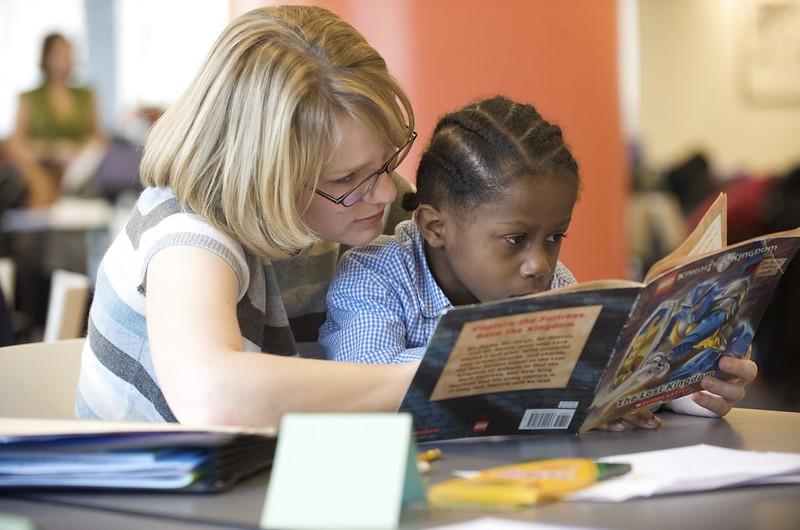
(628, 70)
(692, 91)
(23, 25)
(161, 46)
(158, 47)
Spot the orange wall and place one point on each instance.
(560, 56)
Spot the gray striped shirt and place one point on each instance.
(117, 380)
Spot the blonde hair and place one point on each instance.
(244, 146)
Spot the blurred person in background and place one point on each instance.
(55, 147)
(57, 134)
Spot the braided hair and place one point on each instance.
(476, 152)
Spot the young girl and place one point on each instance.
(495, 194)
(285, 137)
(496, 190)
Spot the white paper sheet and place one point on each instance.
(692, 468)
(496, 523)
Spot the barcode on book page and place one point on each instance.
(546, 419)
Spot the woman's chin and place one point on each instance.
(361, 237)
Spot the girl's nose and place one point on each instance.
(536, 263)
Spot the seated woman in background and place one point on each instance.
(57, 133)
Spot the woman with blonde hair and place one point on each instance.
(287, 136)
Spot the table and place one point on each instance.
(82, 220)
(72, 234)
(761, 507)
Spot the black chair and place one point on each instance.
(6, 325)
(778, 338)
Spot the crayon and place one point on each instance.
(523, 484)
(429, 456)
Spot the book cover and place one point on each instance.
(685, 320)
(520, 366)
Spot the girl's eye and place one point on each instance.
(556, 238)
(514, 240)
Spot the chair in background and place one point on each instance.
(655, 228)
(40, 380)
(7, 280)
(6, 301)
(66, 308)
(6, 322)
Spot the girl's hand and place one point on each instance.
(721, 396)
(643, 419)
(717, 398)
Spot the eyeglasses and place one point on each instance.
(366, 185)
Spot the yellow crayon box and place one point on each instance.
(522, 484)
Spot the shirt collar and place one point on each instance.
(432, 299)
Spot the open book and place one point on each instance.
(571, 359)
(70, 454)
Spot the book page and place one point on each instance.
(589, 286)
(519, 352)
(711, 238)
(710, 234)
(12, 429)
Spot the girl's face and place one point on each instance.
(507, 247)
(359, 156)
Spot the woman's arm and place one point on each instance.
(81, 159)
(206, 376)
(96, 132)
(42, 187)
(23, 149)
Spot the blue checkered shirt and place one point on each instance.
(383, 302)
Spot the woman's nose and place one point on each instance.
(383, 192)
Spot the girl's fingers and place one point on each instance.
(716, 404)
(643, 419)
(744, 370)
(731, 391)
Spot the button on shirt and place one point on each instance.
(384, 303)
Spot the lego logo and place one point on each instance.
(480, 426)
(666, 283)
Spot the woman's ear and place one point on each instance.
(432, 224)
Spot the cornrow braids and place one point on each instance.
(478, 124)
(475, 153)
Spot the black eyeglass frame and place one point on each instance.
(373, 177)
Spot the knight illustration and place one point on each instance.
(703, 328)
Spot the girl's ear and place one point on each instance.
(432, 224)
